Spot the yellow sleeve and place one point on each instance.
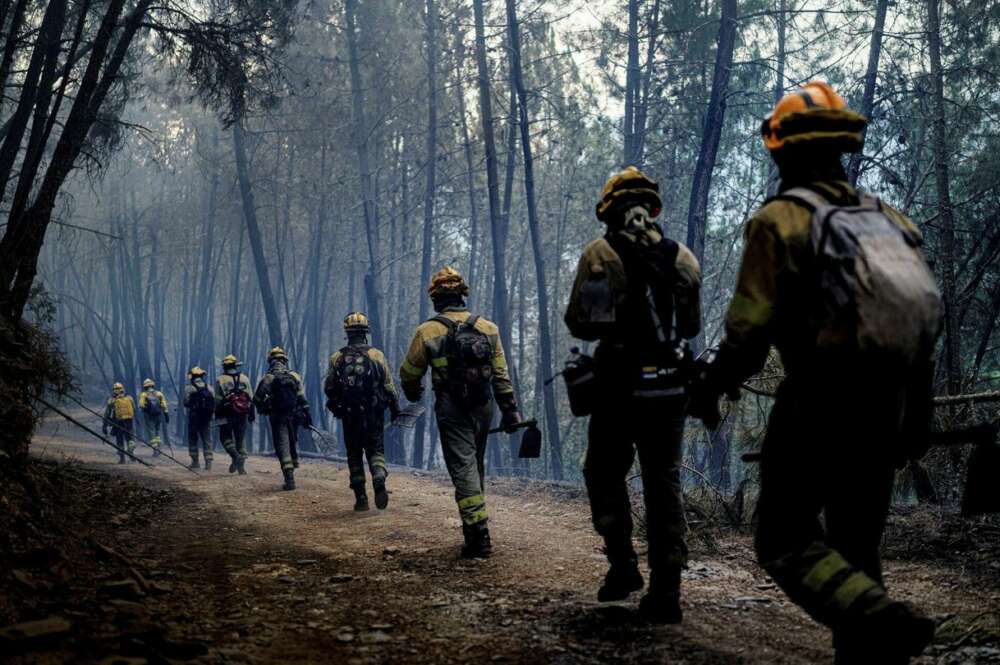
(142, 400)
(415, 363)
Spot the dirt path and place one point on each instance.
(263, 576)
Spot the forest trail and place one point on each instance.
(259, 575)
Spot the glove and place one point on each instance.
(251, 416)
(510, 418)
(104, 429)
(413, 393)
(166, 417)
(307, 420)
(394, 409)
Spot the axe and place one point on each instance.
(531, 440)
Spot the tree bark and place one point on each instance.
(711, 131)
(946, 258)
(545, 337)
(429, 192)
(871, 78)
(256, 243)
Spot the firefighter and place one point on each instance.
(119, 414)
(155, 414)
(200, 405)
(359, 389)
(233, 410)
(468, 373)
(636, 293)
(281, 396)
(837, 426)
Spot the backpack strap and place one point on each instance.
(805, 197)
(471, 321)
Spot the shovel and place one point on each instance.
(982, 491)
(531, 440)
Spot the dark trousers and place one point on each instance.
(233, 435)
(123, 436)
(365, 437)
(619, 429)
(463, 445)
(200, 432)
(285, 437)
(829, 450)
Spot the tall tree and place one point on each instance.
(871, 79)
(544, 335)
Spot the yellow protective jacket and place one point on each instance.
(600, 306)
(772, 300)
(120, 408)
(427, 349)
(384, 382)
(147, 395)
(226, 383)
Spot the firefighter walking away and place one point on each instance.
(636, 293)
(834, 278)
(468, 373)
(119, 415)
(281, 397)
(200, 404)
(234, 410)
(359, 389)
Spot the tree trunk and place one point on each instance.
(711, 131)
(253, 233)
(361, 145)
(631, 84)
(545, 338)
(871, 78)
(429, 192)
(946, 217)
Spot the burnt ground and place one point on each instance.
(130, 564)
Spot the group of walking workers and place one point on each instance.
(831, 276)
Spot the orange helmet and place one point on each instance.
(629, 184)
(813, 113)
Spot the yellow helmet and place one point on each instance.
(117, 387)
(148, 383)
(196, 371)
(356, 321)
(231, 360)
(447, 281)
(629, 184)
(813, 113)
(277, 352)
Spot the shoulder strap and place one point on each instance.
(804, 196)
(445, 321)
(471, 321)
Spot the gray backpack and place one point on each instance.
(879, 297)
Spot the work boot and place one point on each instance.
(662, 603)
(891, 636)
(289, 479)
(478, 544)
(234, 465)
(121, 459)
(295, 463)
(241, 466)
(360, 499)
(622, 579)
(156, 452)
(381, 493)
(194, 463)
(208, 465)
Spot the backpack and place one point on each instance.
(877, 294)
(153, 407)
(357, 380)
(238, 399)
(284, 391)
(470, 362)
(202, 403)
